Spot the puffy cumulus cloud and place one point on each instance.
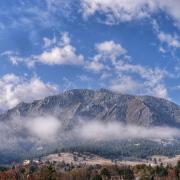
(106, 51)
(127, 10)
(59, 56)
(62, 52)
(56, 52)
(15, 89)
(111, 63)
(110, 48)
(126, 77)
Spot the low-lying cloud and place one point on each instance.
(35, 132)
(117, 131)
(28, 131)
(45, 128)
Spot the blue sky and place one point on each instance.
(49, 46)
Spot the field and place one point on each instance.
(91, 159)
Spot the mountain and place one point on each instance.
(103, 105)
(66, 122)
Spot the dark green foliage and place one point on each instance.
(32, 169)
(55, 171)
(2, 168)
(126, 173)
(161, 171)
(105, 172)
(97, 177)
(178, 164)
(127, 149)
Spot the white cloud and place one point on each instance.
(36, 131)
(112, 63)
(56, 52)
(170, 7)
(160, 91)
(48, 42)
(15, 89)
(148, 81)
(110, 48)
(125, 84)
(127, 10)
(118, 10)
(55, 41)
(62, 52)
(126, 77)
(96, 130)
(45, 128)
(13, 57)
(162, 49)
(61, 55)
(170, 40)
(42, 131)
(107, 51)
(149, 84)
(95, 65)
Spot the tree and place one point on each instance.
(178, 164)
(126, 173)
(32, 169)
(105, 173)
(97, 177)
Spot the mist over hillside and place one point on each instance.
(86, 119)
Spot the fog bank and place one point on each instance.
(48, 130)
(114, 131)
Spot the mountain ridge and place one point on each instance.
(104, 105)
